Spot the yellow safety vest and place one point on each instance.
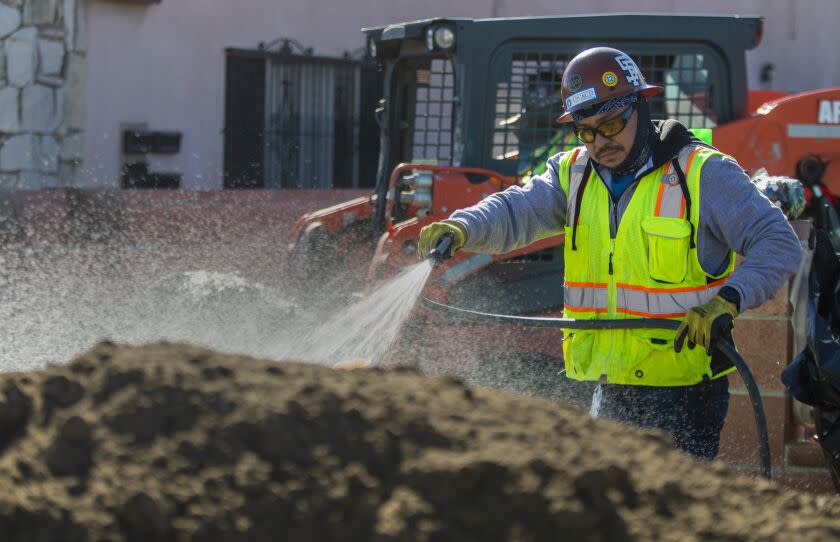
(649, 270)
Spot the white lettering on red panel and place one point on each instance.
(829, 112)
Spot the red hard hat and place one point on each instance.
(600, 74)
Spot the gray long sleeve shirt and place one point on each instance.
(733, 215)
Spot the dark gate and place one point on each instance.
(299, 121)
(244, 114)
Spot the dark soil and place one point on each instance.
(171, 442)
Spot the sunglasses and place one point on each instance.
(610, 128)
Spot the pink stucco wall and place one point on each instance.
(163, 64)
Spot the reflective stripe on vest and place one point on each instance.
(664, 302)
(579, 160)
(671, 200)
(585, 297)
(638, 300)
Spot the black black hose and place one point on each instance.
(467, 315)
(729, 351)
(724, 347)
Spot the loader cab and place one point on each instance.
(423, 99)
(417, 113)
(485, 93)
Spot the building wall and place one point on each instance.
(163, 63)
(42, 78)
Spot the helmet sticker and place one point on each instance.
(583, 96)
(575, 82)
(631, 71)
(609, 78)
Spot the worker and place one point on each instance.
(652, 218)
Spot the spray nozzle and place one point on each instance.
(443, 250)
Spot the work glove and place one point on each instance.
(706, 324)
(430, 236)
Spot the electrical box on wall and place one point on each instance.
(138, 142)
(141, 142)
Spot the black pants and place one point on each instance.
(693, 416)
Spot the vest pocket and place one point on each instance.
(654, 362)
(668, 244)
(578, 352)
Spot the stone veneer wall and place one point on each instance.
(42, 75)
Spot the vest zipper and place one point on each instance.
(613, 235)
(611, 306)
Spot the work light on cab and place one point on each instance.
(440, 37)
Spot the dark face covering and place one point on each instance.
(642, 147)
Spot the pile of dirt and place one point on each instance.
(171, 442)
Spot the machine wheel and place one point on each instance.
(309, 267)
(323, 269)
